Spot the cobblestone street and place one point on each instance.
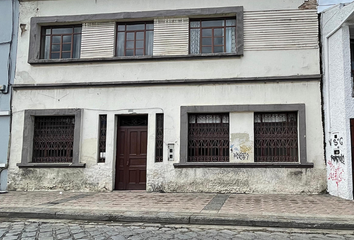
(50, 229)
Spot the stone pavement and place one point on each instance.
(303, 211)
(37, 229)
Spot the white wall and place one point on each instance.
(256, 62)
(147, 100)
(167, 99)
(338, 100)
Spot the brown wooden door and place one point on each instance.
(131, 158)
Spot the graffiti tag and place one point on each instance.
(338, 141)
(241, 155)
(337, 158)
(336, 173)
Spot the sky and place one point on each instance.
(323, 4)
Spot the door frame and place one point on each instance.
(117, 127)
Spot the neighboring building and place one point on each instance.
(175, 96)
(8, 45)
(337, 30)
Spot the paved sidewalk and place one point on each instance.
(312, 211)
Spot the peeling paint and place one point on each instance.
(244, 181)
(308, 4)
(241, 148)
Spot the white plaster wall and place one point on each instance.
(241, 137)
(52, 8)
(338, 103)
(152, 100)
(252, 64)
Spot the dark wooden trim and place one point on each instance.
(51, 165)
(258, 80)
(242, 165)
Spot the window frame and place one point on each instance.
(159, 137)
(102, 138)
(275, 152)
(145, 30)
(34, 56)
(28, 131)
(61, 51)
(200, 154)
(299, 108)
(201, 28)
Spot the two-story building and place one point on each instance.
(174, 96)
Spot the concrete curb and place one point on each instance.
(182, 218)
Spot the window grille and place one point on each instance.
(135, 39)
(276, 137)
(102, 138)
(208, 137)
(61, 42)
(53, 139)
(213, 36)
(159, 138)
(135, 120)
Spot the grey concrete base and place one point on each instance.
(325, 222)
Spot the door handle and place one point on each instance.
(128, 163)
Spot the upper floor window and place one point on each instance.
(135, 39)
(61, 42)
(213, 36)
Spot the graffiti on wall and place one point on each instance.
(336, 173)
(338, 158)
(240, 153)
(336, 142)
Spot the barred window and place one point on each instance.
(213, 36)
(102, 138)
(135, 39)
(53, 139)
(61, 42)
(208, 137)
(276, 137)
(159, 138)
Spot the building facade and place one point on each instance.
(174, 96)
(337, 25)
(8, 45)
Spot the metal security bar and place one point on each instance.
(102, 138)
(208, 137)
(159, 138)
(276, 137)
(53, 139)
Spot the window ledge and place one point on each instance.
(241, 165)
(134, 58)
(51, 165)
